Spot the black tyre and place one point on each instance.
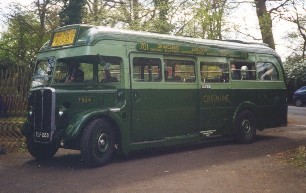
(41, 151)
(245, 127)
(298, 102)
(97, 143)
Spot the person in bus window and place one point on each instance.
(75, 73)
(244, 73)
(268, 72)
(234, 72)
(224, 76)
(107, 74)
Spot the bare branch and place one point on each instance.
(278, 7)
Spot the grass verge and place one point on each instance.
(295, 157)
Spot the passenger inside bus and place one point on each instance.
(244, 73)
(267, 74)
(224, 77)
(107, 74)
(234, 72)
(74, 73)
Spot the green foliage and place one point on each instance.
(19, 43)
(207, 21)
(161, 23)
(96, 13)
(295, 70)
(72, 12)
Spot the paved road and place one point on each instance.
(215, 167)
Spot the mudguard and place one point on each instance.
(80, 120)
(27, 129)
(248, 105)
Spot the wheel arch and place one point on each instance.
(75, 131)
(249, 106)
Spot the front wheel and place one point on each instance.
(41, 151)
(97, 143)
(245, 126)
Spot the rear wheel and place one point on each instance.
(97, 143)
(298, 102)
(245, 126)
(41, 151)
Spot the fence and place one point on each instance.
(14, 86)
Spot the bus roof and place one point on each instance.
(82, 35)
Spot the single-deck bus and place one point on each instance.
(101, 90)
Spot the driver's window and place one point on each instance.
(71, 71)
(61, 72)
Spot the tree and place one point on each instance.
(19, 41)
(265, 23)
(266, 12)
(161, 23)
(28, 29)
(46, 11)
(207, 21)
(132, 14)
(295, 70)
(96, 12)
(297, 15)
(72, 12)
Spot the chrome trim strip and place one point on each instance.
(87, 91)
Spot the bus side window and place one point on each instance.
(267, 71)
(241, 70)
(147, 69)
(179, 71)
(214, 72)
(268, 67)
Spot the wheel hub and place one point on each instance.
(246, 126)
(103, 142)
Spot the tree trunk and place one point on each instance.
(265, 23)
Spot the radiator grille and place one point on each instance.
(43, 114)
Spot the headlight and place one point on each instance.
(61, 111)
(30, 111)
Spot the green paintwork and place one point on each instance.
(151, 114)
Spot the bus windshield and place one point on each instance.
(43, 72)
(87, 69)
(81, 69)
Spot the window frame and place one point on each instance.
(176, 78)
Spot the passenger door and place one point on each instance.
(214, 95)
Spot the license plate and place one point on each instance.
(44, 136)
(63, 38)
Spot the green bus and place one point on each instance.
(102, 90)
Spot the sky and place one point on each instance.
(4, 4)
(248, 23)
(246, 17)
